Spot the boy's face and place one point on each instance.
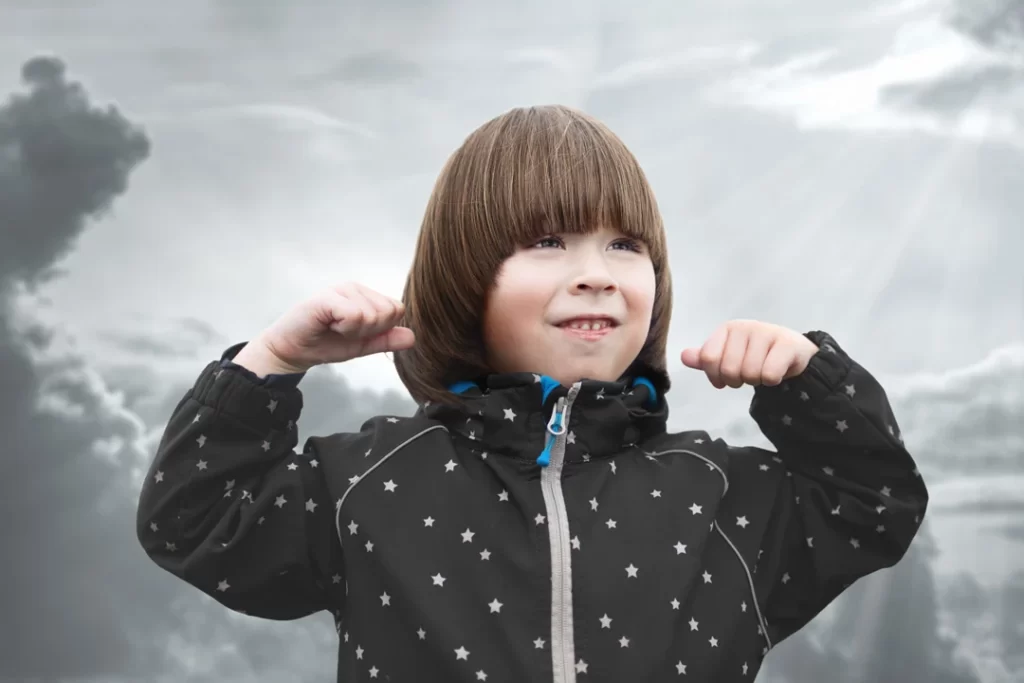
(547, 294)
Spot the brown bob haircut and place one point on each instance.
(527, 173)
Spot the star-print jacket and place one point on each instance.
(536, 532)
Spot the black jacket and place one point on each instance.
(446, 552)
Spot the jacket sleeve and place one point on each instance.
(839, 499)
(231, 508)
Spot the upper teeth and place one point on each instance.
(588, 324)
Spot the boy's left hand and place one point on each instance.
(751, 352)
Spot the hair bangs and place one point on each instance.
(555, 170)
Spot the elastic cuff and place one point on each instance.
(235, 392)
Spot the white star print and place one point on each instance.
(570, 437)
(854, 542)
(280, 501)
(495, 606)
(311, 505)
(369, 546)
(785, 578)
(611, 523)
(674, 603)
(201, 465)
(359, 651)
(713, 641)
(428, 521)
(744, 668)
(485, 554)
(606, 621)
(393, 420)
(293, 466)
(265, 446)
(503, 496)
(201, 440)
(631, 571)
(438, 580)
(810, 541)
(695, 509)
(742, 522)
(593, 504)
(655, 493)
(353, 479)
(462, 653)
(510, 414)
(841, 426)
(385, 600)
(450, 466)
(390, 485)
(706, 577)
(272, 406)
(481, 675)
(680, 549)
(352, 527)
(886, 491)
(623, 641)
(613, 467)
(743, 606)
(787, 420)
(223, 586)
(581, 667)
(422, 634)
(158, 477)
(539, 644)
(539, 519)
(693, 624)
(467, 536)
(374, 671)
(575, 542)
(681, 668)
(828, 470)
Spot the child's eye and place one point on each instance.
(548, 242)
(630, 245)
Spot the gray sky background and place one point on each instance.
(172, 177)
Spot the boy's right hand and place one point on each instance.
(336, 325)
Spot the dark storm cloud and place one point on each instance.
(63, 161)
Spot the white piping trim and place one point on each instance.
(341, 502)
(746, 569)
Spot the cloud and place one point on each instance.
(958, 75)
(61, 161)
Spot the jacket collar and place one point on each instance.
(508, 414)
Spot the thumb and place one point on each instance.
(395, 339)
(691, 358)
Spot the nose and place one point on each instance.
(594, 277)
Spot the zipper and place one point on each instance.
(563, 645)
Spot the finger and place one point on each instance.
(394, 339)
(390, 311)
(691, 358)
(758, 344)
(776, 364)
(711, 356)
(731, 372)
(351, 313)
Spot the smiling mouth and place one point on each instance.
(588, 324)
(588, 329)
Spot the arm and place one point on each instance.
(229, 507)
(842, 496)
